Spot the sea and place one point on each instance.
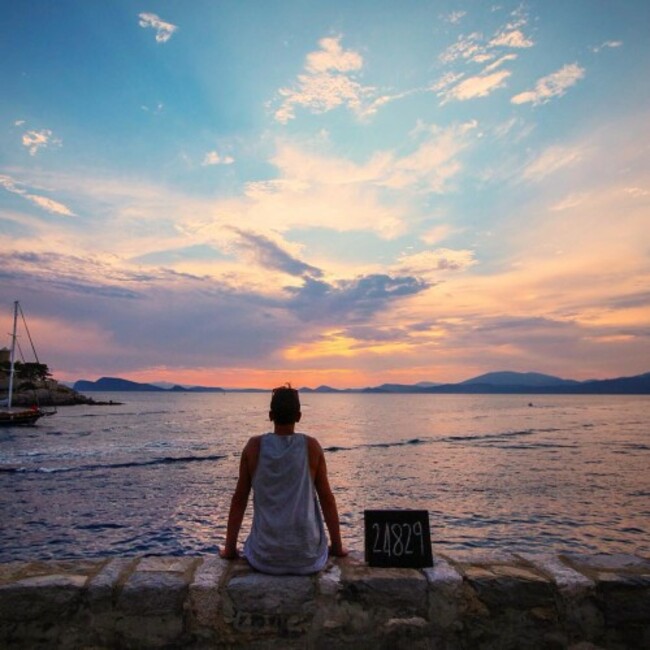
(155, 474)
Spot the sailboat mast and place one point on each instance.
(13, 355)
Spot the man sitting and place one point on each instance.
(286, 471)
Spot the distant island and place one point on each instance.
(504, 382)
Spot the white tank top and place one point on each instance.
(287, 535)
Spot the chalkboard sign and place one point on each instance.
(398, 538)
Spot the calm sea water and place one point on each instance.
(156, 474)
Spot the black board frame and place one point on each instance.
(409, 538)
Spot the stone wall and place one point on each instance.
(467, 600)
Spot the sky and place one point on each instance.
(242, 193)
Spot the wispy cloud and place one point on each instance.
(326, 82)
(271, 255)
(606, 45)
(511, 38)
(37, 140)
(454, 17)
(50, 205)
(552, 160)
(430, 263)
(214, 158)
(164, 30)
(553, 85)
(478, 86)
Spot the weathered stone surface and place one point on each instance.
(569, 581)
(445, 593)
(149, 593)
(40, 596)
(401, 591)
(515, 587)
(607, 562)
(531, 601)
(256, 604)
(167, 564)
(204, 591)
(102, 586)
(329, 580)
(480, 556)
(268, 595)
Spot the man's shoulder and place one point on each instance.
(254, 442)
(312, 443)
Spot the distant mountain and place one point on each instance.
(638, 385)
(196, 389)
(109, 384)
(505, 382)
(508, 378)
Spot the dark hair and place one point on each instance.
(285, 405)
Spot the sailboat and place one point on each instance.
(10, 416)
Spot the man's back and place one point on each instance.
(287, 534)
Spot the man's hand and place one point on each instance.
(228, 554)
(338, 551)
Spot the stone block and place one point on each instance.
(267, 595)
(48, 597)
(102, 587)
(625, 599)
(617, 562)
(260, 605)
(204, 593)
(401, 592)
(571, 583)
(163, 564)
(515, 587)
(445, 593)
(149, 593)
(478, 556)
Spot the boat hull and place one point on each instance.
(20, 417)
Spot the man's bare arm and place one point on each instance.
(238, 504)
(327, 500)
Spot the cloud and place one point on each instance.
(37, 140)
(552, 160)
(479, 86)
(553, 85)
(50, 205)
(163, 29)
(499, 62)
(436, 234)
(606, 44)
(351, 300)
(429, 263)
(19, 122)
(513, 38)
(435, 162)
(325, 83)
(156, 110)
(270, 255)
(454, 17)
(467, 47)
(213, 158)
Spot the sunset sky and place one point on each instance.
(242, 193)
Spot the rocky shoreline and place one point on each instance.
(56, 395)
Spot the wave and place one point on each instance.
(381, 445)
(486, 438)
(504, 435)
(167, 460)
